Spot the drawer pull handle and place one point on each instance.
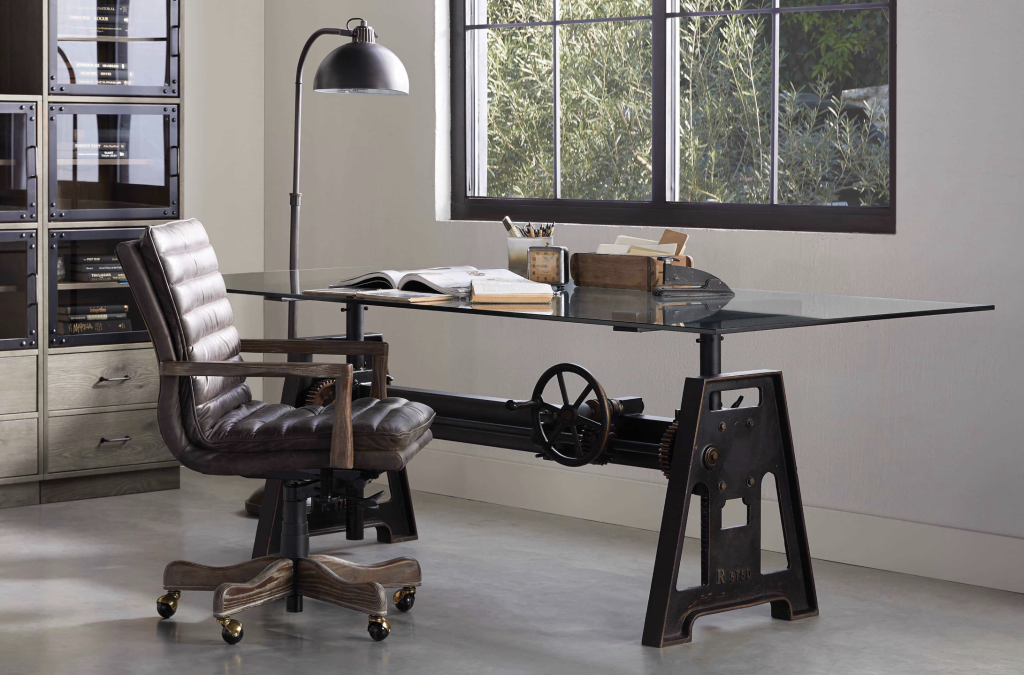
(116, 440)
(115, 379)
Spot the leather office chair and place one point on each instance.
(211, 424)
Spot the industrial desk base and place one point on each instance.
(706, 451)
(717, 454)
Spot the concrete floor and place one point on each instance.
(505, 591)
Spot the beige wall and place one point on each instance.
(223, 136)
(912, 420)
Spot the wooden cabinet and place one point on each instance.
(18, 384)
(97, 379)
(99, 440)
(18, 455)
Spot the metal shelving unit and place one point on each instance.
(101, 381)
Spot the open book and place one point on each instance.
(449, 280)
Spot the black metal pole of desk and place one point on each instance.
(711, 363)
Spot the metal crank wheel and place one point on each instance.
(576, 431)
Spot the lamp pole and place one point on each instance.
(296, 195)
(359, 67)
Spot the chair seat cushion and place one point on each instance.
(388, 425)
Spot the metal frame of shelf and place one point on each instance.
(171, 86)
(30, 339)
(32, 87)
(111, 234)
(172, 159)
(30, 110)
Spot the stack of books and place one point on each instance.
(92, 319)
(92, 268)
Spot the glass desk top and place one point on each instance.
(748, 310)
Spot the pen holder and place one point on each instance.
(519, 249)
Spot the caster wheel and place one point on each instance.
(379, 628)
(167, 605)
(232, 631)
(404, 599)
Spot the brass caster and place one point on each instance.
(379, 628)
(232, 630)
(167, 604)
(404, 598)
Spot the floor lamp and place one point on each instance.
(359, 67)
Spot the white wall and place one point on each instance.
(222, 159)
(913, 420)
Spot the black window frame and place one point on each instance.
(659, 211)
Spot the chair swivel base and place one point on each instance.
(320, 577)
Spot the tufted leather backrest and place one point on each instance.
(182, 270)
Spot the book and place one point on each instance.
(653, 249)
(386, 294)
(96, 267)
(92, 259)
(90, 277)
(93, 317)
(455, 281)
(93, 327)
(496, 292)
(92, 309)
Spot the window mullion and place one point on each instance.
(774, 176)
(557, 88)
(659, 111)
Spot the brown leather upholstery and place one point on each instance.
(212, 424)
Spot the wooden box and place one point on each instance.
(631, 272)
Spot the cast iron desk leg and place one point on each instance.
(748, 443)
(395, 520)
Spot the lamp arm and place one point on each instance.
(296, 195)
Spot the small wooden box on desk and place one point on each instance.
(630, 272)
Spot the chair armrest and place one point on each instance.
(377, 350)
(253, 369)
(342, 448)
(339, 347)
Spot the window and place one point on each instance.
(742, 114)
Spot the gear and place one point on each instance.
(321, 393)
(668, 442)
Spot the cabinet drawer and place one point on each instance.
(17, 384)
(18, 448)
(94, 441)
(94, 379)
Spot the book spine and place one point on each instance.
(96, 267)
(92, 259)
(98, 276)
(93, 317)
(92, 309)
(92, 327)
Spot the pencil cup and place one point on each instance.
(519, 249)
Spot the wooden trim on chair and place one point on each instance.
(338, 347)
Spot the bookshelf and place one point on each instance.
(91, 103)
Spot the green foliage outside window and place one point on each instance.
(833, 109)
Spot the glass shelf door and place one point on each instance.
(90, 301)
(18, 278)
(113, 162)
(114, 47)
(17, 162)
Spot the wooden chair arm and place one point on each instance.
(252, 369)
(342, 449)
(378, 351)
(339, 347)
